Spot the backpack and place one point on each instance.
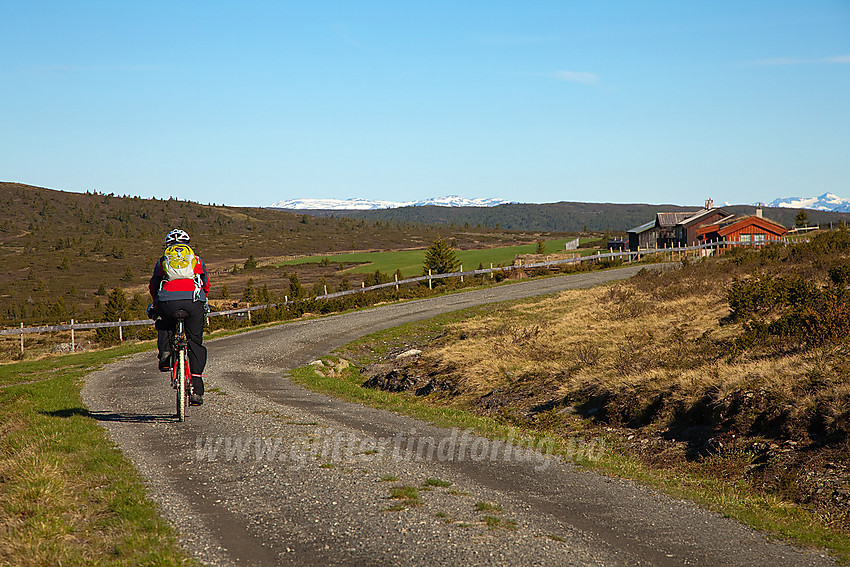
(179, 261)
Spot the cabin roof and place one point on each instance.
(731, 224)
(701, 215)
(642, 228)
(671, 219)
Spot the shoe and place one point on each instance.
(165, 362)
(196, 400)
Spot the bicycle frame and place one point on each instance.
(180, 372)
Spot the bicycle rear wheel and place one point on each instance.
(181, 385)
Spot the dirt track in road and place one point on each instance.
(268, 473)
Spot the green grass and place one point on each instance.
(494, 522)
(487, 506)
(68, 496)
(404, 493)
(410, 261)
(407, 495)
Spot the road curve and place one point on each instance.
(268, 473)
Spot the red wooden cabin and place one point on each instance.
(751, 230)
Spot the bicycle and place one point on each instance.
(181, 376)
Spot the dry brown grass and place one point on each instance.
(612, 337)
(652, 357)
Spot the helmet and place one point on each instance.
(177, 236)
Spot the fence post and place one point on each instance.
(248, 312)
(326, 289)
(461, 273)
(396, 281)
(429, 278)
(285, 299)
(491, 271)
(120, 331)
(22, 338)
(72, 336)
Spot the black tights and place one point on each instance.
(194, 327)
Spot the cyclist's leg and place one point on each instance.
(165, 327)
(194, 327)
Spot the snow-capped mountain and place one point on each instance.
(334, 204)
(825, 202)
(366, 204)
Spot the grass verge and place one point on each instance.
(67, 495)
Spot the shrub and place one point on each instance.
(757, 296)
(807, 316)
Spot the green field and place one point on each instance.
(410, 261)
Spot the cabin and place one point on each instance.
(686, 230)
(749, 230)
(643, 236)
(670, 230)
(667, 224)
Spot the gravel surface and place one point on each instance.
(268, 473)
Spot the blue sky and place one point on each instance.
(250, 102)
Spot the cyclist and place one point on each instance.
(180, 281)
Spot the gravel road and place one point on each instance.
(268, 473)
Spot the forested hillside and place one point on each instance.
(63, 252)
(561, 217)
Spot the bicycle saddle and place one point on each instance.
(181, 314)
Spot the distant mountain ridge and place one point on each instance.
(372, 205)
(825, 202)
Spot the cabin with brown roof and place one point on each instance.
(686, 230)
(667, 223)
(674, 229)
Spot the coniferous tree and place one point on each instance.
(248, 294)
(115, 309)
(440, 258)
(295, 289)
